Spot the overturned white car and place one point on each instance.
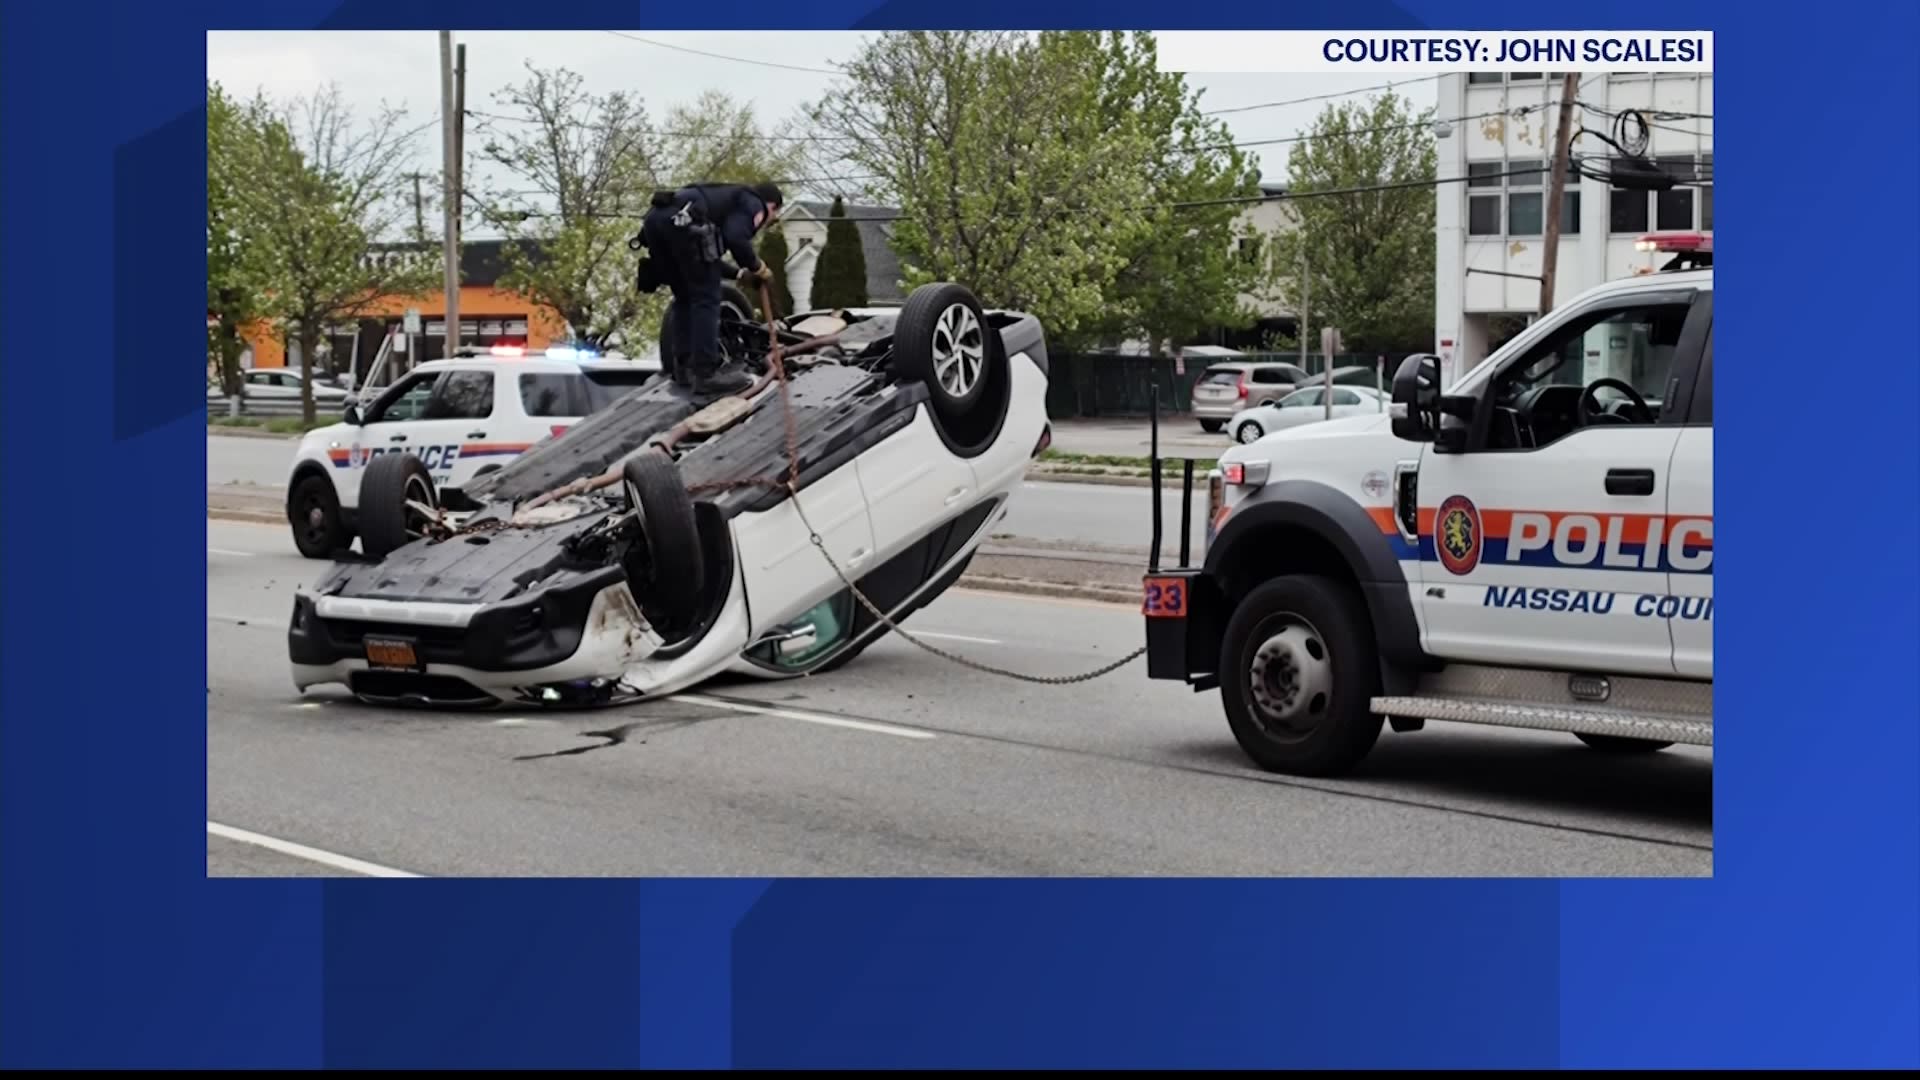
(657, 543)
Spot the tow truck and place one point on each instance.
(1531, 547)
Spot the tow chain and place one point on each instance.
(792, 486)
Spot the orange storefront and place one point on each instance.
(489, 315)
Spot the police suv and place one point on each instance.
(462, 417)
(1529, 547)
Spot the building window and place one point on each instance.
(1480, 78)
(1686, 206)
(1515, 204)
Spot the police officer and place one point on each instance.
(685, 234)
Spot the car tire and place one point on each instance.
(1248, 432)
(313, 509)
(1298, 673)
(943, 339)
(1212, 427)
(733, 304)
(1621, 744)
(675, 569)
(387, 523)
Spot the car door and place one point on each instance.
(1269, 384)
(913, 482)
(1300, 407)
(1690, 523)
(1544, 535)
(465, 429)
(414, 417)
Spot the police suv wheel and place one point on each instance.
(1298, 673)
(387, 520)
(943, 339)
(671, 572)
(314, 512)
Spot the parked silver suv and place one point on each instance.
(1225, 389)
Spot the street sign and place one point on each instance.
(412, 322)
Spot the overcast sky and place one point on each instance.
(403, 69)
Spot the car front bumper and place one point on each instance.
(564, 645)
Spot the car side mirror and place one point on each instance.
(352, 414)
(1416, 398)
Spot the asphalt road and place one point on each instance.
(1095, 514)
(899, 764)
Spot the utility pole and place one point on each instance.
(459, 170)
(1300, 321)
(1557, 190)
(449, 248)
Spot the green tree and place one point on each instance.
(575, 172)
(236, 278)
(1036, 169)
(773, 252)
(328, 188)
(840, 277)
(1368, 255)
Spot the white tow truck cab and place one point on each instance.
(463, 417)
(1531, 547)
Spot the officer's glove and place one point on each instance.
(765, 273)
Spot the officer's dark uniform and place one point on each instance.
(685, 234)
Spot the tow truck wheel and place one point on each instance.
(1298, 673)
(388, 521)
(672, 573)
(1621, 744)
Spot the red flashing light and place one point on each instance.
(508, 350)
(1675, 241)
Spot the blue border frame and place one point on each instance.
(115, 950)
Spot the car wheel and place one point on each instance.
(1621, 744)
(314, 512)
(1248, 432)
(674, 571)
(943, 339)
(1212, 427)
(387, 521)
(733, 305)
(1298, 674)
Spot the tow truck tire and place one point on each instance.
(1621, 744)
(676, 573)
(389, 482)
(1298, 674)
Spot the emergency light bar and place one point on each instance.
(507, 350)
(1688, 242)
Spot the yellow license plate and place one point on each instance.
(392, 654)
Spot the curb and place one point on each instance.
(1047, 476)
(247, 432)
(1028, 587)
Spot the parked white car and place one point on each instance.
(282, 384)
(1304, 407)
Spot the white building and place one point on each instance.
(1490, 229)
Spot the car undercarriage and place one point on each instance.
(636, 507)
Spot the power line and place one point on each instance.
(1190, 204)
(1322, 97)
(722, 56)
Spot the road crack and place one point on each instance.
(619, 736)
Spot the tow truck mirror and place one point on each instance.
(1416, 398)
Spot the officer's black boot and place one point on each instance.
(711, 379)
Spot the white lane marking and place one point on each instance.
(804, 717)
(302, 851)
(958, 637)
(230, 551)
